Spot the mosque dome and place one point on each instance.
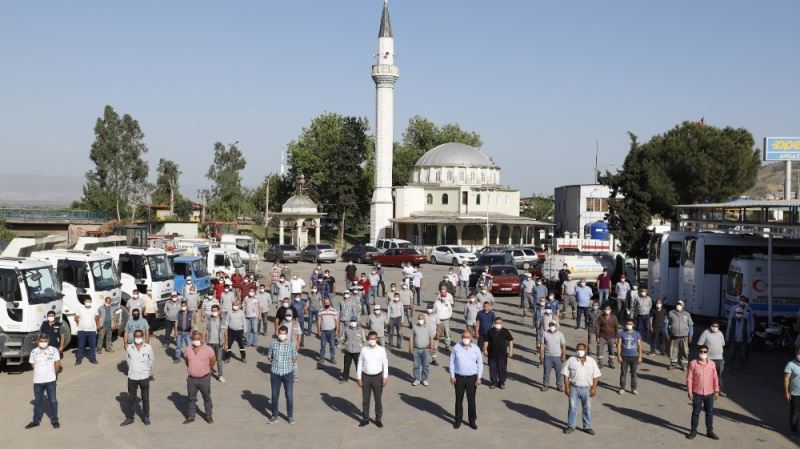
(455, 164)
(455, 154)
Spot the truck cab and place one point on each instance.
(194, 268)
(244, 245)
(225, 260)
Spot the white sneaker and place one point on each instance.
(415, 383)
(635, 392)
(621, 391)
(425, 383)
(222, 379)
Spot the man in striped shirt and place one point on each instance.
(282, 355)
(328, 324)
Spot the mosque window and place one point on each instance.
(437, 177)
(444, 198)
(450, 176)
(461, 176)
(478, 199)
(429, 199)
(472, 177)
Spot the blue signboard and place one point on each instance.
(782, 148)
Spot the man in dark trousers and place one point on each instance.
(498, 348)
(466, 369)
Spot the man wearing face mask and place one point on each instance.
(466, 370)
(498, 348)
(433, 329)
(738, 334)
(484, 296)
(395, 311)
(227, 300)
(552, 355)
(354, 339)
(604, 286)
(136, 301)
(264, 303)
(658, 337)
(581, 375)
(137, 322)
(643, 305)
(583, 299)
(149, 311)
(88, 320)
(374, 285)
(527, 297)
(350, 274)
(235, 323)
(416, 283)
(538, 321)
(420, 346)
(483, 322)
(313, 304)
(282, 357)
(280, 315)
(328, 328)
(372, 374)
(46, 363)
(140, 358)
(295, 333)
(407, 300)
(621, 291)
(791, 392)
(215, 334)
(54, 331)
(107, 326)
(378, 322)
(471, 309)
(284, 288)
(200, 360)
(591, 326)
(171, 309)
(680, 328)
(715, 341)
(252, 315)
(629, 356)
(703, 387)
(539, 291)
(606, 335)
(183, 329)
(568, 290)
(464, 272)
(444, 311)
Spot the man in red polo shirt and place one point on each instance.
(200, 360)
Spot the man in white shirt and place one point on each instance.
(372, 375)
(443, 311)
(46, 363)
(463, 280)
(416, 282)
(140, 367)
(581, 375)
(296, 284)
(88, 320)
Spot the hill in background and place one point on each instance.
(769, 181)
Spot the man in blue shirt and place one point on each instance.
(629, 355)
(466, 369)
(483, 322)
(583, 298)
(791, 391)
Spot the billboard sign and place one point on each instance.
(782, 148)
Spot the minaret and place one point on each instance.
(385, 74)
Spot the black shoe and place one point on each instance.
(55, 425)
(78, 362)
(146, 421)
(188, 420)
(568, 430)
(473, 425)
(31, 425)
(691, 435)
(363, 423)
(378, 423)
(712, 435)
(590, 431)
(127, 422)
(93, 362)
(456, 425)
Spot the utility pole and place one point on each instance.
(266, 202)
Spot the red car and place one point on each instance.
(505, 280)
(397, 256)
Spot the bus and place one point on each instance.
(663, 260)
(705, 262)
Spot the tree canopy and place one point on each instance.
(227, 199)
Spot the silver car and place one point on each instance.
(452, 255)
(319, 253)
(523, 258)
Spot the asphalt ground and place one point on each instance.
(91, 399)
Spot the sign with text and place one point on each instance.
(782, 148)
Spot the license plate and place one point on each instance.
(505, 289)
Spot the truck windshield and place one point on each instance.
(42, 285)
(159, 268)
(735, 283)
(235, 260)
(245, 245)
(105, 275)
(199, 268)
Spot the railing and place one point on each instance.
(45, 215)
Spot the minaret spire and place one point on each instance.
(386, 24)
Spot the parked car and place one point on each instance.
(540, 253)
(505, 279)
(490, 259)
(386, 244)
(360, 254)
(319, 253)
(490, 249)
(452, 255)
(396, 257)
(283, 253)
(537, 268)
(523, 258)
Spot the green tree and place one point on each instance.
(420, 136)
(183, 208)
(331, 153)
(227, 199)
(6, 235)
(166, 188)
(541, 208)
(119, 169)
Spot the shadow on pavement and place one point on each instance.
(330, 370)
(341, 405)
(535, 413)
(647, 418)
(431, 407)
(180, 402)
(259, 402)
(663, 381)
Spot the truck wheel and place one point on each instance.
(123, 320)
(66, 329)
(433, 260)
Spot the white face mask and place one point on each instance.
(174, 298)
(377, 312)
(703, 356)
(373, 343)
(798, 357)
(197, 343)
(282, 337)
(394, 289)
(138, 340)
(581, 353)
(498, 326)
(607, 311)
(289, 318)
(184, 308)
(353, 324)
(629, 327)
(214, 313)
(286, 304)
(51, 319)
(552, 328)
(466, 341)
(658, 306)
(714, 328)
(679, 307)
(421, 322)
(484, 291)
(551, 298)
(235, 307)
(88, 304)
(396, 299)
(471, 299)
(430, 312)
(44, 345)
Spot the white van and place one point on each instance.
(748, 278)
(385, 244)
(663, 261)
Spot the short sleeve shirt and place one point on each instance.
(793, 370)
(43, 363)
(498, 342)
(552, 342)
(581, 374)
(87, 319)
(199, 359)
(630, 343)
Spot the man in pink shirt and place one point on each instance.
(200, 360)
(702, 384)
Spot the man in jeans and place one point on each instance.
(568, 290)
(200, 360)
(420, 345)
(328, 326)
(216, 336)
(680, 328)
(107, 326)
(171, 309)
(464, 273)
(643, 305)
(581, 375)
(583, 299)
(264, 303)
(46, 363)
(282, 356)
(702, 384)
(715, 341)
(396, 316)
(604, 286)
(791, 391)
(252, 314)
(183, 329)
(314, 304)
(738, 334)
(629, 355)
(606, 335)
(552, 354)
(140, 358)
(88, 321)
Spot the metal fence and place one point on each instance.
(45, 215)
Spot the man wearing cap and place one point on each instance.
(527, 299)
(378, 322)
(354, 338)
(444, 311)
(680, 329)
(738, 334)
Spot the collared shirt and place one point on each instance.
(485, 320)
(199, 359)
(184, 320)
(372, 360)
(539, 292)
(622, 288)
(140, 361)
(171, 309)
(283, 355)
(284, 290)
(421, 336)
(701, 378)
(354, 338)
(466, 361)
(443, 310)
(395, 309)
(464, 273)
(377, 323)
(484, 297)
(297, 285)
(136, 325)
(55, 331)
(570, 287)
(150, 304)
(43, 363)
(528, 285)
(584, 296)
(471, 310)
(252, 308)
(214, 329)
(137, 303)
(643, 305)
(416, 279)
(793, 370)
(264, 301)
(431, 323)
(235, 320)
(348, 309)
(581, 374)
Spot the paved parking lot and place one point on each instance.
(90, 396)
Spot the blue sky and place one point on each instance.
(540, 81)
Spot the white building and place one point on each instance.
(577, 206)
(454, 196)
